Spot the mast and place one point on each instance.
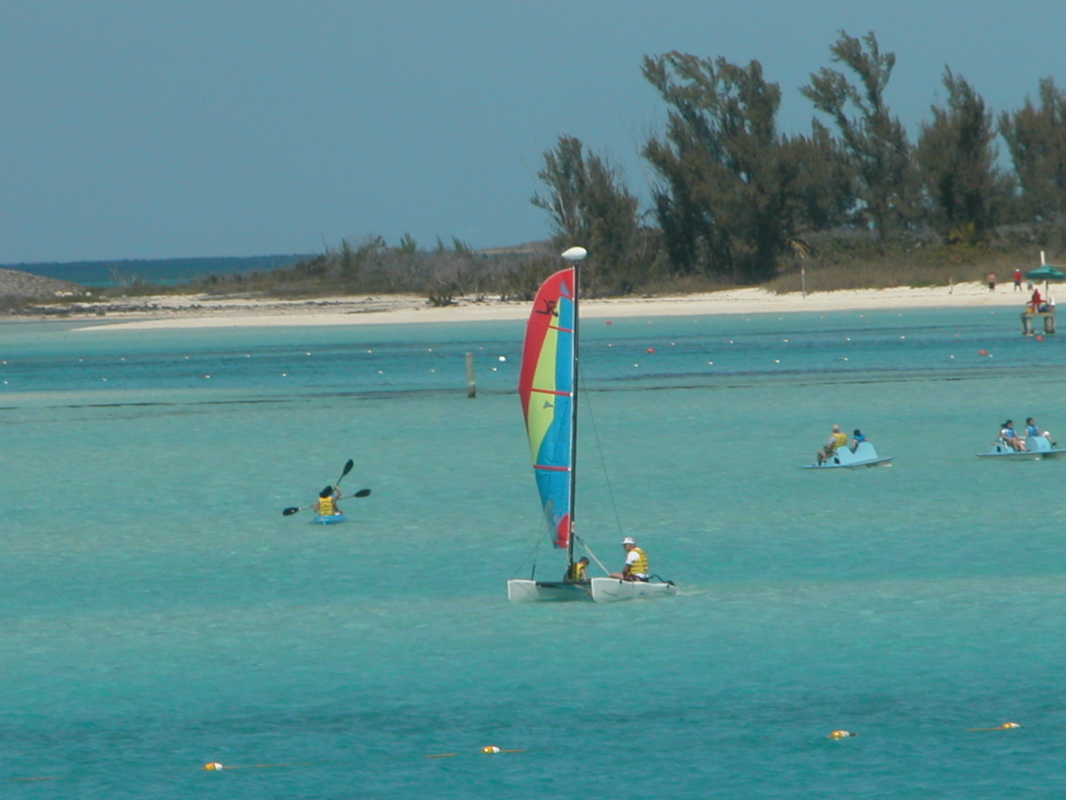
(574, 255)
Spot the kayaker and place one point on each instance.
(636, 568)
(326, 506)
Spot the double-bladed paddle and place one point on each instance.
(347, 468)
(288, 512)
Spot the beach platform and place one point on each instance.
(1029, 316)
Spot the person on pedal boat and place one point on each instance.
(837, 440)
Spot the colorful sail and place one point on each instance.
(546, 386)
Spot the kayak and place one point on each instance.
(330, 519)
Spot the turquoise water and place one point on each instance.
(159, 612)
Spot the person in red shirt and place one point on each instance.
(1017, 280)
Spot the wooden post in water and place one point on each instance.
(471, 381)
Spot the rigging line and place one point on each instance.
(589, 551)
(533, 555)
(599, 450)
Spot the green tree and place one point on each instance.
(825, 189)
(589, 205)
(724, 203)
(956, 157)
(1036, 139)
(876, 141)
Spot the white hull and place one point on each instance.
(597, 590)
(519, 591)
(864, 456)
(611, 590)
(1038, 447)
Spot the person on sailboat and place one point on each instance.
(326, 505)
(577, 573)
(636, 567)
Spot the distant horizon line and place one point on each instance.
(517, 248)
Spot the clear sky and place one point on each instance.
(182, 128)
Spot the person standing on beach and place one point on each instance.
(1017, 280)
(991, 281)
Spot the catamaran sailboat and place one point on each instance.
(547, 386)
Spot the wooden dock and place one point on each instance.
(1028, 317)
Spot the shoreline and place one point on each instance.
(205, 311)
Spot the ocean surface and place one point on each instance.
(160, 613)
(162, 271)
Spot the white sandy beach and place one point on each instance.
(204, 311)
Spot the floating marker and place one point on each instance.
(841, 734)
(651, 349)
(608, 322)
(503, 358)
(1006, 726)
(213, 766)
(490, 749)
(982, 352)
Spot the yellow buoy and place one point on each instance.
(214, 765)
(490, 749)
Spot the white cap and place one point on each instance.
(629, 540)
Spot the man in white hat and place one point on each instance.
(636, 568)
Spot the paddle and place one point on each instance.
(347, 469)
(288, 512)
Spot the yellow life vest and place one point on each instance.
(640, 566)
(325, 506)
(842, 440)
(577, 572)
